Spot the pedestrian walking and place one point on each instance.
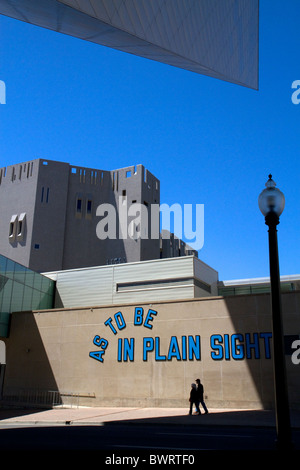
(194, 399)
(200, 393)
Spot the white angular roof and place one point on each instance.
(218, 38)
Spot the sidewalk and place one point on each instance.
(104, 416)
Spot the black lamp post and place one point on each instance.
(271, 202)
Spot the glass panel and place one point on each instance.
(17, 297)
(29, 278)
(10, 269)
(260, 289)
(4, 322)
(46, 284)
(286, 287)
(3, 264)
(6, 300)
(44, 303)
(27, 298)
(21, 290)
(242, 290)
(37, 281)
(1, 297)
(20, 272)
(36, 299)
(226, 291)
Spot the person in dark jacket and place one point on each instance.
(194, 399)
(200, 393)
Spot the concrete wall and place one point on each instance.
(17, 196)
(50, 209)
(146, 361)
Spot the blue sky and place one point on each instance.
(209, 142)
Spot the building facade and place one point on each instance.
(145, 330)
(49, 215)
(57, 216)
(148, 353)
(184, 277)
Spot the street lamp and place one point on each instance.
(271, 203)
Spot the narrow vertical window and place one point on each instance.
(20, 224)
(89, 206)
(21, 227)
(12, 228)
(79, 206)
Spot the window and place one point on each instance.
(20, 224)
(88, 206)
(46, 196)
(82, 175)
(79, 205)
(12, 228)
(93, 176)
(21, 227)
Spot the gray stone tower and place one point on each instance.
(49, 214)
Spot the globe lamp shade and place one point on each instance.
(271, 199)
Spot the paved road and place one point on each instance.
(141, 432)
(118, 438)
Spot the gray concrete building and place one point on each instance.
(55, 216)
(49, 215)
(173, 247)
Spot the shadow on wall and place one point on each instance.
(256, 344)
(29, 379)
